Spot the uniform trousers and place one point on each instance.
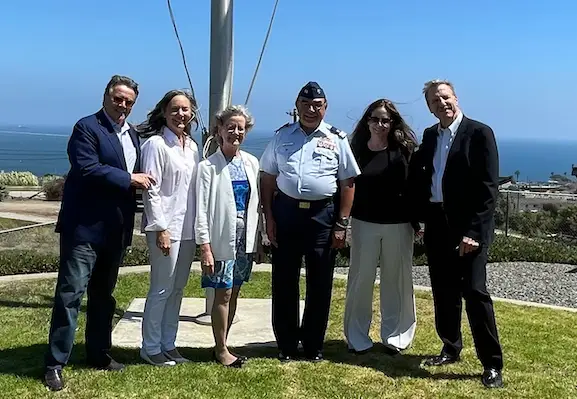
(454, 278)
(168, 277)
(302, 231)
(390, 246)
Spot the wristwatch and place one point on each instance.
(343, 223)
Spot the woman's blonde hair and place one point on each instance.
(232, 110)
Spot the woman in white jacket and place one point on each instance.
(171, 156)
(226, 222)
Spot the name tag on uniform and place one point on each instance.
(304, 205)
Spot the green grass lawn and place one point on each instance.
(539, 346)
(6, 224)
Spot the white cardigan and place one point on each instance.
(215, 222)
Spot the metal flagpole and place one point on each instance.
(221, 71)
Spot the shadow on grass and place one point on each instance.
(403, 365)
(28, 361)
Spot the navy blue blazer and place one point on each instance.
(98, 203)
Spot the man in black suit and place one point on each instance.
(457, 168)
(95, 223)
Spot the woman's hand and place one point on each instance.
(163, 241)
(206, 259)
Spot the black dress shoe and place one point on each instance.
(286, 357)
(315, 357)
(492, 378)
(441, 360)
(108, 364)
(53, 379)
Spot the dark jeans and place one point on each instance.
(84, 267)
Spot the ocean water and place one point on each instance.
(42, 150)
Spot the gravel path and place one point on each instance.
(552, 284)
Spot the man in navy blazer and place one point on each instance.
(95, 223)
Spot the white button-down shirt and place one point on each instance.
(123, 134)
(444, 143)
(170, 203)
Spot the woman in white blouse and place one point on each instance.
(226, 222)
(171, 156)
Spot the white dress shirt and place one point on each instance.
(170, 203)
(123, 134)
(444, 143)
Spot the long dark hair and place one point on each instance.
(401, 136)
(156, 120)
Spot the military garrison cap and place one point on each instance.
(312, 90)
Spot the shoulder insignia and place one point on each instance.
(282, 127)
(338, 132)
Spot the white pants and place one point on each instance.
(391, 247)
(168, 277)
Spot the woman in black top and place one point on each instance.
(381, 231)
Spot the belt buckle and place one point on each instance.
(304, 205)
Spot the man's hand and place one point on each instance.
(339, 236)
(163, 242)
(206, 259)
(467, 245)
(271, 230)
(141, 180)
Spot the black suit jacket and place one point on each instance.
(470, 182)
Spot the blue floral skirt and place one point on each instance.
(234, 272)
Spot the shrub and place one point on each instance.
(4, 194)
(53, 189)
(48, 178)
(18, 179)
(504, 249)
(26, 261)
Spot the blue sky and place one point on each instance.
(514, 63)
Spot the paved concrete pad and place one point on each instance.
(254, 327)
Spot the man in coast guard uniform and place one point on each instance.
(307, 189)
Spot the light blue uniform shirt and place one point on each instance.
(308, 167)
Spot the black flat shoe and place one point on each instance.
(441, 360)
(53, 379)
(236, 364)
(492, 378)
(244, 358)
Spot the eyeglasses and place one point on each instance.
(119, 100)
(384, 121)
(317, 105)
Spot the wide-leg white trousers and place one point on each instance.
(391, 247)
